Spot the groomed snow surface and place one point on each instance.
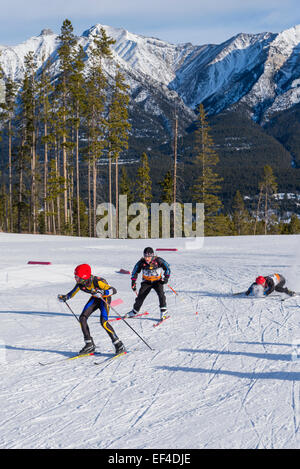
(226, 377)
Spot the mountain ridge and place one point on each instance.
(260, 70)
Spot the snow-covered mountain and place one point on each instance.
(260, 70)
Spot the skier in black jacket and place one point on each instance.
(265, 285)
(156, 273)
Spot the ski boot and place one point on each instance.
(291, 293)
(119, 347)
(89, 347)
(131, 314)
(163, 313)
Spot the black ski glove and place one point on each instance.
(133, 285)
(165, 280)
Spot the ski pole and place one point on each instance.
(174, 291)
(179, 296)
(72, 311)
(126, 322)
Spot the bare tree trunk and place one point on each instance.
(117, 197)
(89, 199)
(53, 217)
(10, 205)
(6, 224)
(266, 212)
(64, 150)
(77, 179)
(5, 217)
(65, 182)
(257, 211)
(71, 195)
(58, 196)
(94, 195)
(110, 187)
(46, 217)
(20, 199)
(175, 173)
(33, 184)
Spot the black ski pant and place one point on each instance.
(90, 307)
(280, 286)
(144, 291)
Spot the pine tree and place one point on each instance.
(45, 90)
(144, 184)
(55, 187)
(126, 186)
(28, 152)
(2, 206)
(208, 183)
(96, 100)
(240, 217)
(223, 225)
(167, 187)
(22, 165)
(78, 107)
(96, 85)
(83, 217)
(65, 52)
(55, 215)
(7, 114)
(118, 129)
(294, 225)
(267, 188)
(175, 170)
(167, 196)
(2, 187)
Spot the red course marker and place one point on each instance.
(39, 262)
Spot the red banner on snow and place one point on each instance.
(39, 262)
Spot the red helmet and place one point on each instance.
(260, 280)
(83, 271)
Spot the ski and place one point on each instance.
(125, 317)
(82, 355)
(110, 359)
(161, 321)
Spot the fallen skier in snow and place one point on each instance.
(265, 285)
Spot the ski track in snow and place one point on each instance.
(222, 378)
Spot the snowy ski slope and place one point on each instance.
(226, 377)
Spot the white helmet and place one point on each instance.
(258, 290)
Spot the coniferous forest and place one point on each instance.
(63, 134)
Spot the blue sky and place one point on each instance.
(176, 21)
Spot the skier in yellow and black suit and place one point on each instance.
(98, 288)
